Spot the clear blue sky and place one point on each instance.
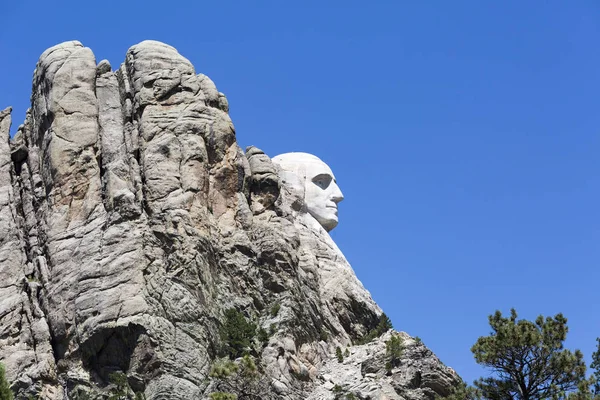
(464, 134)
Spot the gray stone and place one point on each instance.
(364, 374)
(103, 67)
(24, 333)
(130, 220)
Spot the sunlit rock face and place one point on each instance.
(310, 189)
(316, 180)
(130, 220)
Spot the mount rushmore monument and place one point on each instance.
(132, 223)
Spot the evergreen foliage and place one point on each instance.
(79, 393)
(120, 390)
(595, 365)
(323, 335)
(589, 389)
(275, 309)
(339, 355)
(237, 334)
(5, 392)
(240, 380)
(340, 394)
(583, 392)
(527, 359)
(384, 325)
(393, 350)
(262, 335)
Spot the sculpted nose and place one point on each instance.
(337, 195)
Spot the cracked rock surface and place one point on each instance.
(130, 220)
(363, 373)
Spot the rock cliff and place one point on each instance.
(131, 220)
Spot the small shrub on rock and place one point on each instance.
(239, 380)
(263, 336)
(339, 355)
(340, 394)
(275, 309)
(120, 389)
(5, 393)
(80, 393)
(323, 335)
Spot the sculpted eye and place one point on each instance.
(322, 180)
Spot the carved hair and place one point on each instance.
(295, 162)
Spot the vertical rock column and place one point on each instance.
(69, 208)
(118, 186)
(166, 118)
(89, 251)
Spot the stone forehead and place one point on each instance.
(293, 161)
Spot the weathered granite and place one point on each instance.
(24, 333)
(130, 220)
(419, 375)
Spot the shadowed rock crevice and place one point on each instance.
(114, 350)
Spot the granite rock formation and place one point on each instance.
(130, 220)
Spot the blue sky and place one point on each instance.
(463, 134)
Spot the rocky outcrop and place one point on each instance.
(130, 220)
(363, 373)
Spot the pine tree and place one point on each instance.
(590, 388)
(527, 359)
(384, 325)
(393, 350)
(595, 365)
(5, 393)
(237, 333)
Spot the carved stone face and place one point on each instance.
(321, 192)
